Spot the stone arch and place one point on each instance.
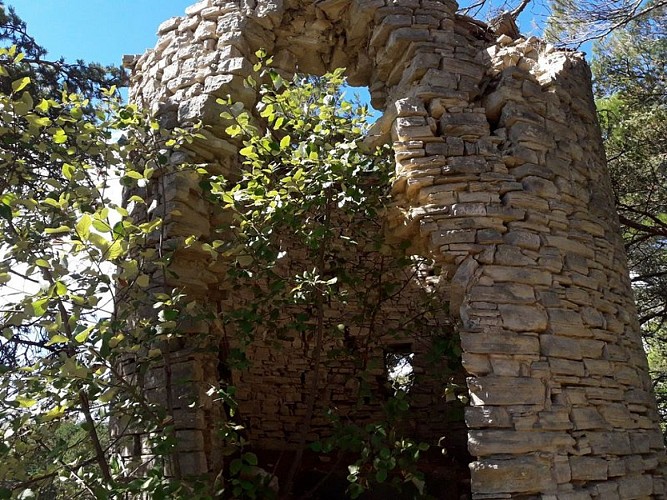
(502, 177)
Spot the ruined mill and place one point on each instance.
(500, 179)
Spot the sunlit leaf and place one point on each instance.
(26, 402)
(57, 339)
(20, 84)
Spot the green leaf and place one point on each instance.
(57, 339)
(83, 336)
(39, 306)
(115, 250)
(99, 241)
(57, 230)
(5, 212)
(248, 152)
(68, 170)
(38, 121)
(285, 142)
(250, 458)
(381, 475)
(100, 225)
(26, 402)
(60, 288)
(20, 84)
(43, 106)
(42, 263)
(133, 174)
(54, 413)
(108, 395)
(143, 280)
(83, 226)
(235, 467)
(60, 137)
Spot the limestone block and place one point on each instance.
(506, 213)
(567, 322)
(604, 393)
(609, 443)
(465, 165)
(532, 170)
(566, 367)
(465, 125)
(187, 24)
(562, 471)
(487, 417)
(588, 468)
(523, 318)
(523, 199)
(531, 136)
(555, 420)
(617, 415)
(635, 486)
(530, 474)
(483, 443)
(512, 293)
(508, 367)
(569, 348)
(522, 239)
(447, 237)
(411, 128)
(205, 30)
(607, 490)
(502, 391)
(508, 255)
(517, 275)
(400, 38)
(502, 342)
(168, 25)
(640, 441)
(461, 67)
(488, 237)
(418, 67)
(572, 495)
(514, 112)
(539, 186)
(495, 101)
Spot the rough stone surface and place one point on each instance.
(501, 180)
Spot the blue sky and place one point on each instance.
(96, 30)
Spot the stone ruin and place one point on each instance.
(501, 180)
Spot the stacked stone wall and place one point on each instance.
(501, 179)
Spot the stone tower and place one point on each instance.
(501, 180)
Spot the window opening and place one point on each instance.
(399, 368)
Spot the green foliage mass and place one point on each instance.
(62, 329)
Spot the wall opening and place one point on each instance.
(399, 367)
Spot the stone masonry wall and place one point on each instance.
(501, 180)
